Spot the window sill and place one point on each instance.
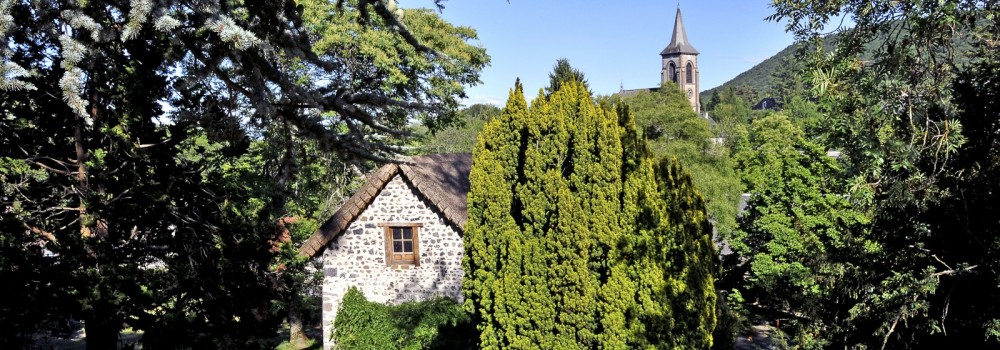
(403, 266)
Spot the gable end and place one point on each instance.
(442, 179)
(349, 211)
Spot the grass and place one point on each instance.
(313, 344)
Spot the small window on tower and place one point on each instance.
(401, 244)
(673, 72)
(689, 72)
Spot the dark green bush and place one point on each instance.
(438, 323)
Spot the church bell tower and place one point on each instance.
(680, 64)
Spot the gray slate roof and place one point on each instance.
(442, 179)
(632, 92)
(679, 41)
(766, 103)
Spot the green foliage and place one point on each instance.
(732, 115)
(435, 70)
(666, 115)
(116, 209)
(563, 73)
(803, 242)
(897, 90)
(119, 213)
(684, 258)
(438, 323)
(462, 137)
(673, 129)
(807, 116)
(577, 239)
(731, 109)
(312, 344)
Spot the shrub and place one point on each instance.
(439, 323)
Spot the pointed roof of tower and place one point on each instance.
(679, 41)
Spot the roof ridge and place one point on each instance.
(432, 191)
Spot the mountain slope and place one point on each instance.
(758, 77)
(761, 76)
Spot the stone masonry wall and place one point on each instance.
(357, 257)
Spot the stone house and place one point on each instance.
(399, 237)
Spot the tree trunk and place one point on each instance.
(296, 333)
(81, 174)
(102, 331)
(287, 170)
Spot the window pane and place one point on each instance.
(407, 233)
(395, 233)
(397, 246)
(408, 246)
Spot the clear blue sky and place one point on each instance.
(612, 42)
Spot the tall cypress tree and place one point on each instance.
(573, 242)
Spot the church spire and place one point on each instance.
(679, 42)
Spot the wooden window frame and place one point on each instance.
(387, 237)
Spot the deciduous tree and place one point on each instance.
(900, 116)
(673, 129)
(801, 240)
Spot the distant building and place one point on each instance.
(768, 103)
(679, 65)
(742, 206)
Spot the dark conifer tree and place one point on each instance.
(115, 205)
(563, 72)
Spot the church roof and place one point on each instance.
(623, 93)
(679, 41)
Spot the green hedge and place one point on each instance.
(439, 323)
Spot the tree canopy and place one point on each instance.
(804, 242)
(577, 238)
(150, 148)
(897, 94)
(461, 138)
(562, 73)
(673, 129)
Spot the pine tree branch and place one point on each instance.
(395, 23)
(54, 170)
(45, 234)
(953, 271)
(350, 144)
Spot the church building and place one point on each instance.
(679, 65)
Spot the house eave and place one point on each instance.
(425, 186)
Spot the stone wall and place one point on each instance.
(357, 257)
